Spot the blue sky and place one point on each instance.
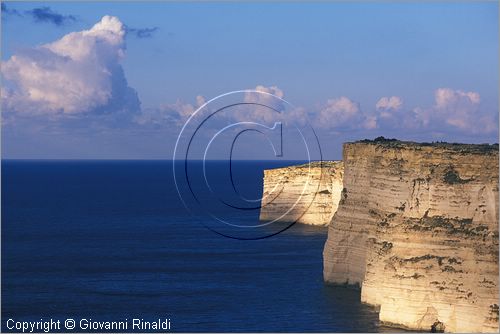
(421, 72)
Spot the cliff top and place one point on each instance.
(458, 147)
(315, 164)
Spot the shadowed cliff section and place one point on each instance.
(417, 230)
(307, 193)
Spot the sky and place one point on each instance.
(120, 80)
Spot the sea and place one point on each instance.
(120, 240)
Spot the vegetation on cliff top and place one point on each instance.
(315, 164)
(324, 163)
(459, 147)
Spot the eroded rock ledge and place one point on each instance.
(417, 229)
(308, 193)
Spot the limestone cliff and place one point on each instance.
(417, 229)
(307, 193)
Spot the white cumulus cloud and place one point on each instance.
(341, 112)
(267, 97)
(447, 96)
(456, 109)
(263, 100)
(388, 103)
(79, 73)
(271, 97)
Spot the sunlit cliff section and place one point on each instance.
(417, 229)
(307, 194)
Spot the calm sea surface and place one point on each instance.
(111, 240)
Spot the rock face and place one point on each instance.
(307, 193)
(417, 230)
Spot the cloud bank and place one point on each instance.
(77, 74)
(453, 112)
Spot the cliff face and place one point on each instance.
(417, 229)
(308, 194)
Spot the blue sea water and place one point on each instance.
(111, 240)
